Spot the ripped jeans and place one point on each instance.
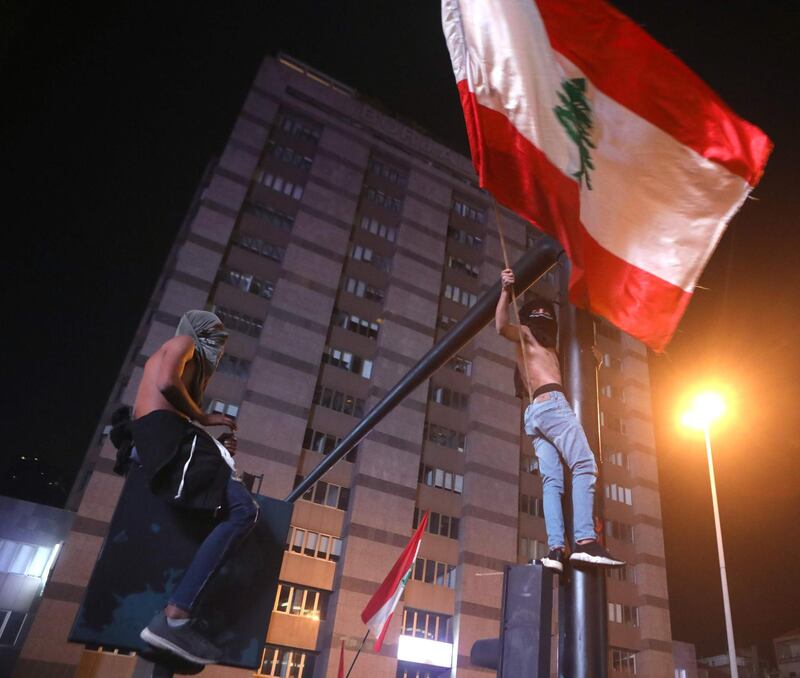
(241, 517)
(557, 434)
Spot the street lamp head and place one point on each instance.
(707, 407)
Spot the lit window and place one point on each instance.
(286, 662)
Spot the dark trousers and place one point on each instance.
(241, 517)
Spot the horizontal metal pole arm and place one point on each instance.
(537, 261)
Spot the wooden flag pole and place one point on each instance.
(360, 647)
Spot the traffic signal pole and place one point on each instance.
(582, 610)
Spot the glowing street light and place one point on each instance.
(707, 408)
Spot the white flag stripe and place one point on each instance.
(654, 203)
(379, 618)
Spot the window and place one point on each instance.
(361, 289)
(314, 544)
(445, 436)
(275, 217)
(623, 660)
(347, 361)
(464, 237)
(234, 320)
(434, 572)
(10, 626)
(531, 505)
(326, 494)
(377, 228)
(618, 459)
(367, 255)
(460, 296)
(430, 625)
(618, 493)
(532, 549)
(619, 530)
(286, 662)
(461, 365)
(234, 366)
(298, 127)
(608, 331)
(259, 246)
(472, 213)
(611, 391)
(340, 402)
(626, 573)
(391, 174)
(472, 270)
(355, 324)
(390, 202)
(623, 614)
(280, 184)
(289, 156)
(221, 407)
(300, 601)
(445, 322)
(449, 398)
(247, 282)
(612, 362)
(17, 557)
(612, 422)
(528, 463)
(325, 443)
(438, 523)
(444, 480)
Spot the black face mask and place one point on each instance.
(544, 330)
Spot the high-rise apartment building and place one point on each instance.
(338, 244)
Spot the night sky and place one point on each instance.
(111, 112)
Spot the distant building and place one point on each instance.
(787, 653)
(338, 244)
(28, 477)
(747, 660)
(31, 536)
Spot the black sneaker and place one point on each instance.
(182, 641)
(593, 553)
(554, 560)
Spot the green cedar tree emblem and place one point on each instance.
(575, 116)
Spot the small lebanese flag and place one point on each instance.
(341, 662)
(379, 610)
(582, 123)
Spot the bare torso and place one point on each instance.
(542, 363)
(149, 396)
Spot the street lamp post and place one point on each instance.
(706, 409)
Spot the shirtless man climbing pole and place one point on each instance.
(556, 431)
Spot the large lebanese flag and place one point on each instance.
(379, 610)
(582, 123)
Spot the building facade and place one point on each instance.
(787, 653)
(338, 244)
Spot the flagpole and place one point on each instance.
(360, 647)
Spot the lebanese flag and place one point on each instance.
(341, 662)
(379, 610)
(583, 124)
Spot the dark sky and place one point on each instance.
(111, 112)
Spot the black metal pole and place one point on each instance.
(531, 266)
(360, 647)
(583, 624)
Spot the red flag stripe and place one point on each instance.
(521, 177)
(654, 84)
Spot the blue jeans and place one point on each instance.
(241, 517)
(557, 434)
